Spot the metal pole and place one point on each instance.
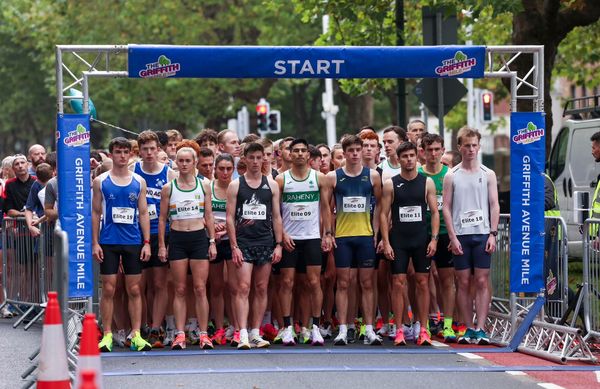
(59, 81)
(329, 109)
(440, 82)
(86, 94)
(401, 84)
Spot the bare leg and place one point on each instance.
(199, 277)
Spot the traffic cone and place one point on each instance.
(88, 380)
(53, 370)
(89, 356)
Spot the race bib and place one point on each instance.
(299, 212)
(254, 211)
(354, 204)
(440, 203)
(123, 215)
(153, 193)
(152, 211)
(471, 218)
(189, 208)
(410, 214)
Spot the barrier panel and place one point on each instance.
(27, 263)
(591, 277)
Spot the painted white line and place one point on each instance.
(470, 355)
(548, 385)
(515, 372)
(598, 376)
(438, 344)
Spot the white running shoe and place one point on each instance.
(416, 330)
(341, 339)
(279, 338)
(288, 335)
(169, 337)
(326, 332)
(383, 331)
(317, 339)
(256, 341)
(408, 332)
(229, 332)
(305, 335)
(119, 338)
(392, 332)
(372, 339)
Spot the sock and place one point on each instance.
(243, 333)
(287, 321)
(369, 328)
(343, 328)
(352, 326)
(447, 322)
(254, 332)
(316, 321)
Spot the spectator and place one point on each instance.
(17, 189)
(37, 155)
(34, 210)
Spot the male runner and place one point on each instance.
(408, 195)
(301, 209)
(471, 212)
(253, 219)
(118, 195)
(353, 185)
(414, 129)
(393, 136)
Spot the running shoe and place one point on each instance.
(155, 339)
(194, 336)
(242, 341)
(179, 341)
(229, 333)
(219, 337)
(341, 339)
(269, 332)
(256, 341)
(235, 341)
(120, 338)
(279, 337)
(288, 336)
(6, 313)
(482, 337)
(470, 336)
(392, 331)
(128, 340)
(211, 329)
(383, 330)
(416, 330)
(449, 335)
(423, 339)
(139, 344)
(362, 332)
(305, 335)
(145, 331)
(169, 337)
(205, 342)
(351, 335)
(408, 332)
(372, 339)
(326, 331)
(459, 329)
(317, 339)
(106, 343)
(399, 339)
(435, 327)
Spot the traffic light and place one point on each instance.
(487, 106)
(274, 122)
(262, 116)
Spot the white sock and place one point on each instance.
(343, 328)
(254, 332)
(243, 333)
(369, 328)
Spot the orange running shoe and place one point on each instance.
(179, 342)
(219, 337)
(205, 342)
(423, 339)
(399, 340)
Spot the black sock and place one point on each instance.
(316, 321)
(287, 321)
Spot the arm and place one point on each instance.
(232, 191)
(386, 203)
(33, 230)
(376, 181)
(96, 213)
(277, 223)
(490, 246)
(447, 193)
(435, 217)
(288, 243)
(209, 220)
(144, 222)
(325, 212)
(165, 196)
(330, 182)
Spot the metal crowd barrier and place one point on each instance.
(591, 278)
(27, 268)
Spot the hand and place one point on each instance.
(97, 253)
(237, 257)
(326, 243)
(212, 251)
(455, 247)
(162, 254)
(36, 222)
(379, 249)
(490, 245)
(432, 247)
(146, 253)
(288, 243)
(34, 231)
(276, 254)
(219, 227)
(596, 244)
(388, 251)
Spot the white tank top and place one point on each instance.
(300, 209)
(186, 204)
(470, 201)
(388, 171)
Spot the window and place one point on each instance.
(558, 154)
(583, 169)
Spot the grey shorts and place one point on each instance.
(257, 255)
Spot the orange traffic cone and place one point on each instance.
(89, 356)
(53, 370)
(88, 380)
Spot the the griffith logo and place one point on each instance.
(457, 65)
(528, 135)
(78, 137)
(160, 69)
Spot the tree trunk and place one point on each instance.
(360, 111)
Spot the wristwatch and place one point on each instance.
(211, 240)
(494, 233)
(435, 237)
(278, 244)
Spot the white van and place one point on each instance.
(574, 172)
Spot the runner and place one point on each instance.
(393, 136)
(253, 219)
(284, 152)
(471, 212)
(186, 204)
(154, 271)
(117, 197)
(434, 149)
(353, 186)
(414, 129)
(302, 208)
(206, 163)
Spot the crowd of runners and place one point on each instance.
(214, 241)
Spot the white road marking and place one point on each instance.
(515, 372)
(470, 355)
(548, 385)
(438, 344)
